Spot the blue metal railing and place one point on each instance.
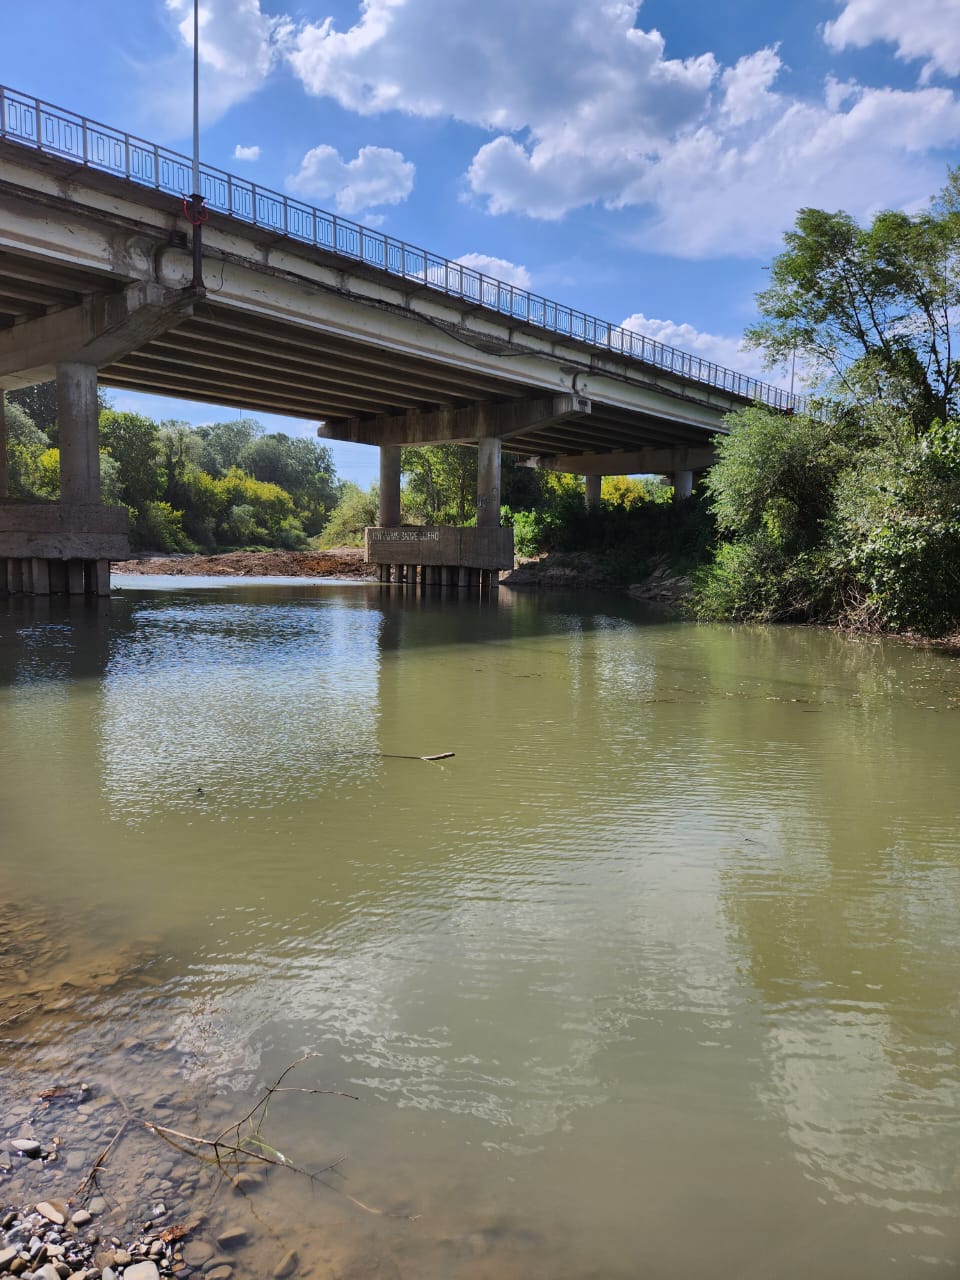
(37, 124)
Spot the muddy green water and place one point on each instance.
(659, 976)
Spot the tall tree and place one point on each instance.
(303, 467)
(441, 481)
(871, 311)
(133, 442)
(224, 442)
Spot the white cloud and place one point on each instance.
(746, 87)
(376, 176)
(924, 29)
(498, 268)
(239, 47)
(723, 351)
(503, 65)
(588, 109)
(246, 153)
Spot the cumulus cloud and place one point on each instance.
(721, 350)
(927, 30)
(498, 268)
(503, 65)
(239, 47)
(246, 153)
(376, 176)
(588, 108)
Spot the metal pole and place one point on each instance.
(196, 97)
(196, 198)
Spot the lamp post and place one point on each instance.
(197, 213)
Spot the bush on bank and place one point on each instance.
(849, 519)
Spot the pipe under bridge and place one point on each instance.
(299, 312)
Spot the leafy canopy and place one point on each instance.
(870, 312)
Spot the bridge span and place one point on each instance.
(296, 311)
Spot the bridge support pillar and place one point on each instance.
(389, 486)
(77, 416)
(488, 483)
(682, 485)
(4, 471)
(591, 492)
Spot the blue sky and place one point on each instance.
(639, 161)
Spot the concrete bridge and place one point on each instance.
(273, 305)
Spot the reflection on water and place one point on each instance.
(659, 975)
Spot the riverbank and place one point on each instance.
(339, 562)
(556, 571)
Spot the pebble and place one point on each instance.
(52, 1212)
(142, 1271)
(223, 1272)
(197, 1252)
(81, 1218)
(97, 1205)
(234, 1238)
(287, 1265)
(28, 1147)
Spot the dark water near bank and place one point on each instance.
(659, 976)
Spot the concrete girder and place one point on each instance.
(202, 351)
(139, 374)
(102, 329)
(483, 421)
(354, 362)
(250, 378)
(650, 461)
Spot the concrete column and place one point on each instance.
(4, 466)
(682, 485)
(389, 486)
(75, 583)
(488, 484)
(591, 492)
(41, 577)
(77, 414)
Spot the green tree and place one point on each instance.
(133, 442)
(870, 311)
(441, 482)
(303, 467)
(355, 511)
(25, 445)
(224, 442)
(40, 403)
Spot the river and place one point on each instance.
(658, 976)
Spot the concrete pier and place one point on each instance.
(54, 548)
(682, 485)
(591, 492)
(37, 576)
(78, 413)
(389, 486)
(440, 555)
